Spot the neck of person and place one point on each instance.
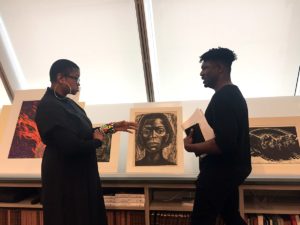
(154, 156)
(222, 83)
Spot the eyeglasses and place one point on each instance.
(77, 79)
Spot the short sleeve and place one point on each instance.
(226, 129)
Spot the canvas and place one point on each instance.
(156, 146)
(21, 148)
(4, 115)
(274, 145)
(107, 154)
(26, 142)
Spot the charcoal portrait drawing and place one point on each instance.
(156, 139)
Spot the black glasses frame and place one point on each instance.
(77, 79)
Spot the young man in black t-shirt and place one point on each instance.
(227, 160)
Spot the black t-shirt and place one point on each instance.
(227, 114)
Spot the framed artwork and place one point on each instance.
(26, 142)
(21, 146)
(4, 115)
(274, 144)
(157, 145)
(108, 153)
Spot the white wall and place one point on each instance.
(4, 100)
(264, 34)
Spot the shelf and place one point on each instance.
(169, 196)
(273, 208)
(135, 208)
(22, 204)
(171, 206)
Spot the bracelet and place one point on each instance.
(107, 128)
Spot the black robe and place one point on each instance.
(71, 188)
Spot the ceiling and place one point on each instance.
(103, 38)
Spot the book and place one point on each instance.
(293, 219)
(128, 195)
(260, 219)
(297, 219)
(188, 203)
(201, 129)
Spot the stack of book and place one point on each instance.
(125, 200)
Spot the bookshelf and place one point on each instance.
(172, 197)
(275, 196)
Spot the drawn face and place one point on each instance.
(154, 135)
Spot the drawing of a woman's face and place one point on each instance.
(154, 135)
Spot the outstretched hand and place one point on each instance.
(125, 126)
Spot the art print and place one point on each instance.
(278, 144)
(157, 143)
(26, 141)
(108, 154)
(21, 148)
(274, 144)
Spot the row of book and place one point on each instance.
(137, 217)
(264, 219)
(125, 217)
(174, 218)
(35, 217)
(183, 218)
(169, 218)
(125, 200)
(21, 217)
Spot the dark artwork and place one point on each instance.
(155, 139)
(274, 144)
(27, 142)
(103, 152)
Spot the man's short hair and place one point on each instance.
(222, 55)
(63, 66)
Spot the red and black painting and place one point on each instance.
(26, 141)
